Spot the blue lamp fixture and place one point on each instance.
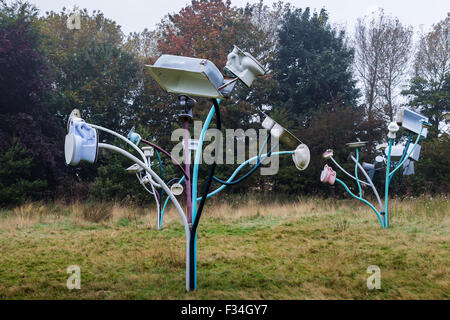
(81, 143)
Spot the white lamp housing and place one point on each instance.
(301, 157)
(148, 151)
(393, 128)
(381, 146)
(397, 152)
(412, 121)
(268, 123)
(284, 136)
(327, 154)
(81, 142)
(177, 189)
(379, 159)
(135, 168)
(244, 66)
(188, 76)
(356, 144)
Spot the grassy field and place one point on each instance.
(309, 249)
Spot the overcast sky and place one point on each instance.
(135, 15)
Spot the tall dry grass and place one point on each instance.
(110, 214)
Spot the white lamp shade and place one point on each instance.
(81, 142)
(285, 137)
(189, 76)
(177, 189)
(244, 66)
(301, 157)
(412, 121)
(397, 152)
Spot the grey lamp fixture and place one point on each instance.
(277, 131)
(200, 77)
(286, 137)
(327, 154)
(301, 157)
(148, 151)
(370, 168)
(244, 66)
(392, 128)
(177, 189)
(188, 76)
(186, 103)
(412, 121)
(356, 144)
(398, 150)
(408, 168)
(135, 168)
(81, 143)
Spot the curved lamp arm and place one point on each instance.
(264, 156)
(167, 154)
(370, 182)
(343, 170)
(143, 183)
(363, 200)
(135, 147)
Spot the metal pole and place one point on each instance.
(187, 170)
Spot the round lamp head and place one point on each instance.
(301, 157)
(393, 128)
(379, 159)
(176, 189)
(327, 154)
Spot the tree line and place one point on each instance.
(326, 85)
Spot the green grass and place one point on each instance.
(311, 249)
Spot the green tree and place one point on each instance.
(432, 171)
(312, 64)
(429, 89)
(90, 70)
(23, 88)
(18, 182)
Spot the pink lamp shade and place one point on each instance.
(328, 175)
